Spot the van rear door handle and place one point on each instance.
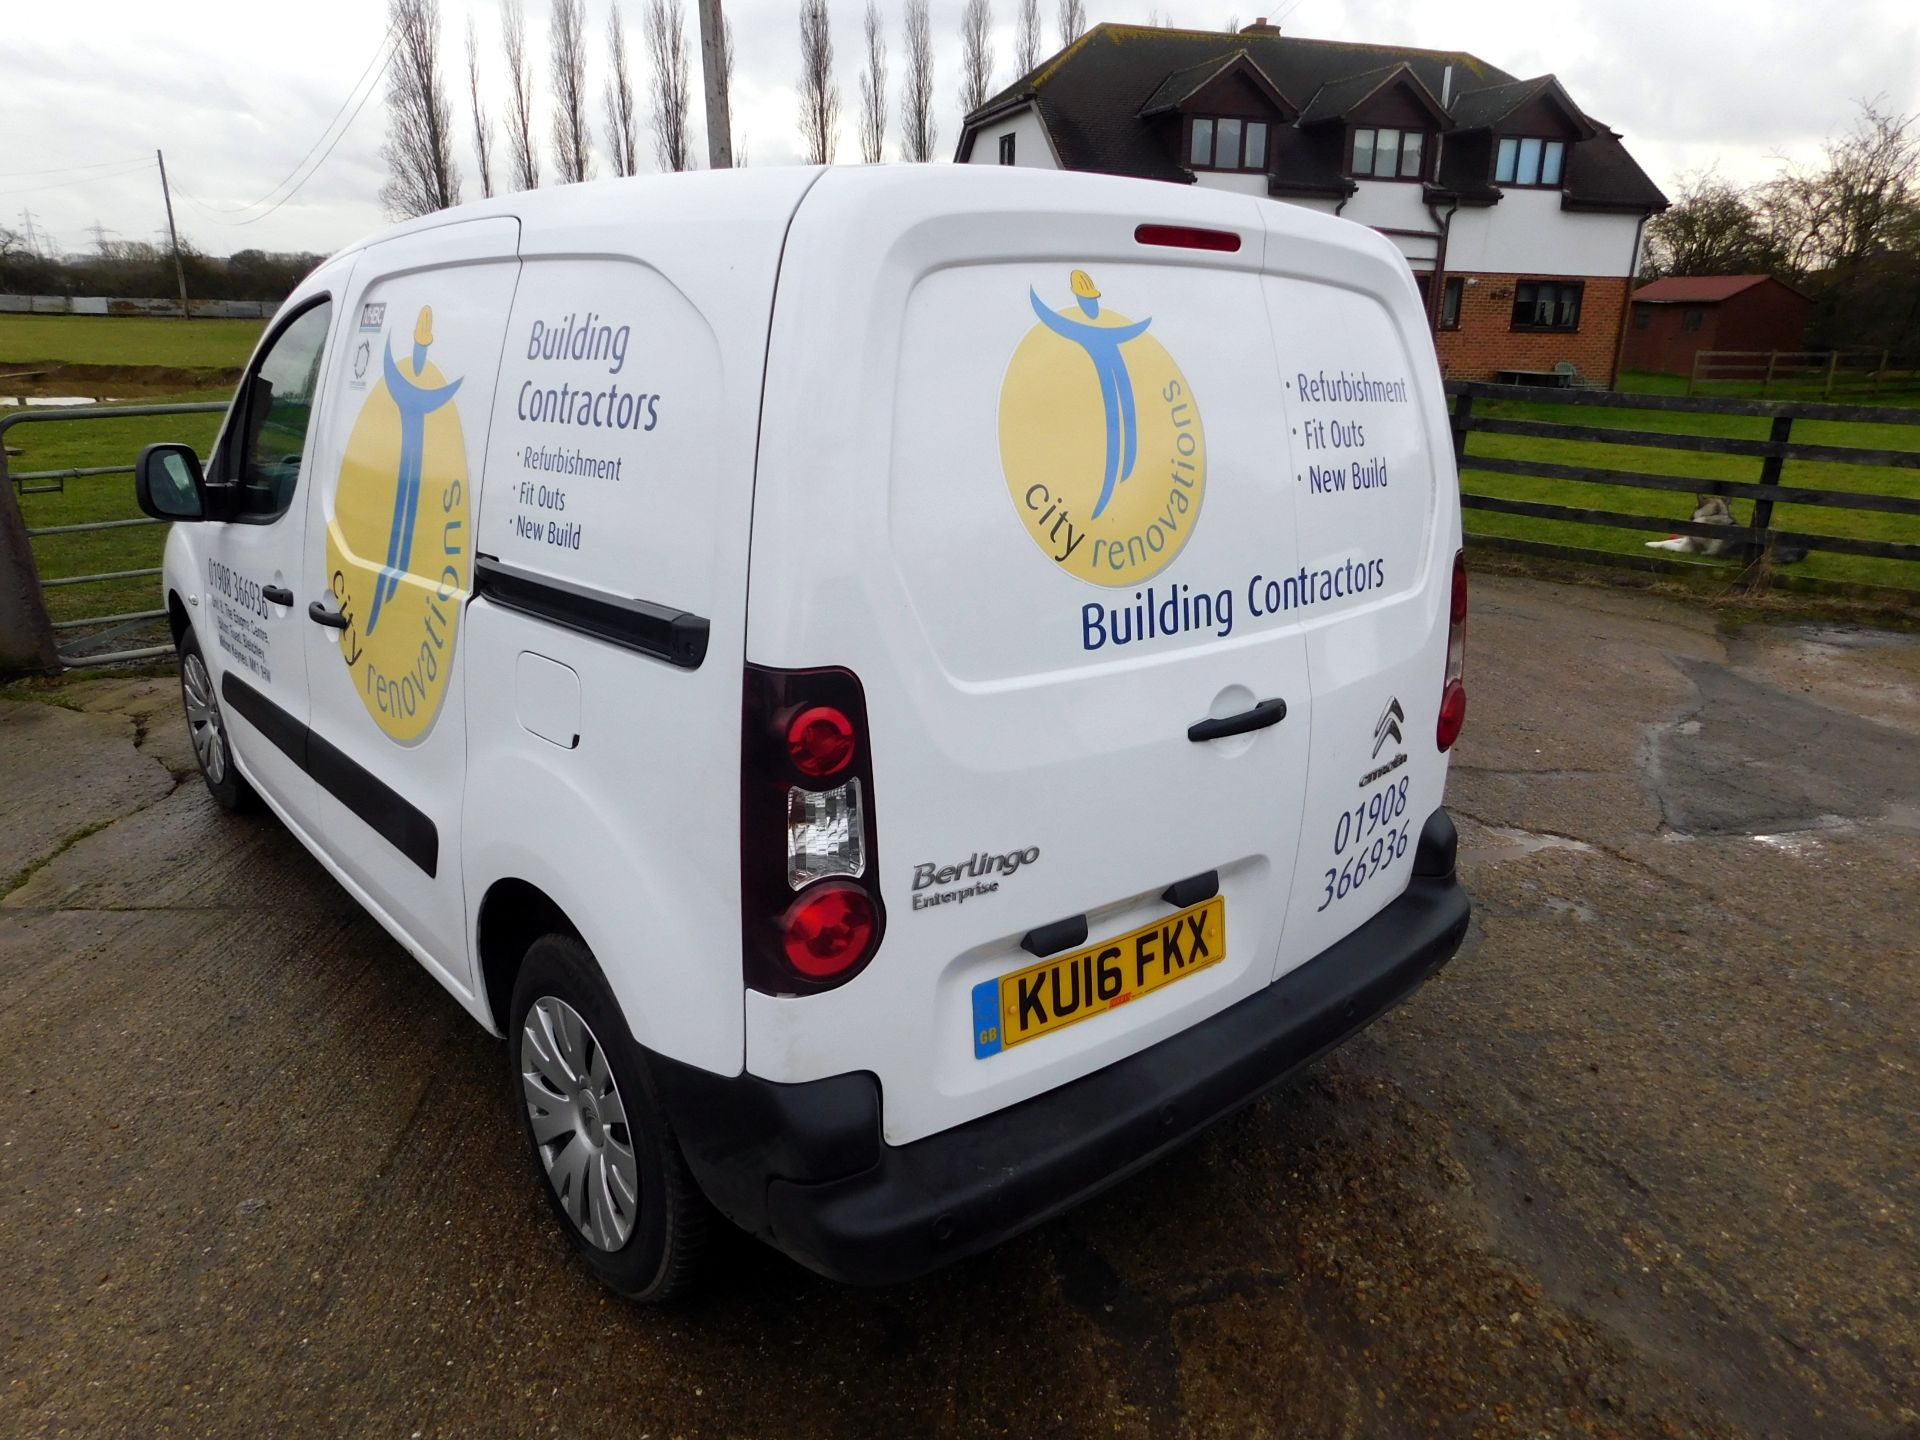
(320, 615)
(1267, 712)
(277, 594)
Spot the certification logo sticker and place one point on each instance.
(397, 550)
(1100, 440)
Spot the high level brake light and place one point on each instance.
(1186, 237)
(1453, 694)
(810, 898)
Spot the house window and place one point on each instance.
(1006, 148)
(1529, 160)
(1220, 142)
(1547, 305)
(1450, 296)
(1642, 317)
(1381, 154)
(1693, 319)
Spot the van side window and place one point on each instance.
(278, 398)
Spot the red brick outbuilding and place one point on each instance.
(1682, 314)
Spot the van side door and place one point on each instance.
(389, 566)
(251, 619)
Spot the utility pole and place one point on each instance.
(179, 270)
(713, 62)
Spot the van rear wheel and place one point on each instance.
(608, 1160)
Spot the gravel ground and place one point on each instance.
(1640, 1162)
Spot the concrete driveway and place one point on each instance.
(1642, 1161)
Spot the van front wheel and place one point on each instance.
(207, 728)
(611, 1167)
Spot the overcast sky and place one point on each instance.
(239, 91)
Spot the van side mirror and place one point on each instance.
(168, 483)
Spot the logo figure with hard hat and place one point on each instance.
(1102, 344)
(415, 402)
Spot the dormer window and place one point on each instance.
(1529, 160)
(1223, 142)
(1384, 154)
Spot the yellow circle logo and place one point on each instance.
(397, 545)
(1100, 441)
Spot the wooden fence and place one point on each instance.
(1760, 538)
(1826, 373)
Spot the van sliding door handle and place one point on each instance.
(277, 594)
(320, 615)
(1267, 712)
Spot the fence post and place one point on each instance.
(1833, 363)
(1770, 467)
(1462, 422)
(1693, 375)
(1880, 370)
(26, 635)
(1766, 385)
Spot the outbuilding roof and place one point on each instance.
(1700, 289)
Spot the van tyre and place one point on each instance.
(207, 729)
(606, 1156)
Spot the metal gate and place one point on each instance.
(75, 640)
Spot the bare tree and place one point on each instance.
(623, 141)
(1072, 19)
(916, 92)
(1155, 20)
(976, 55)
(421, 174)
(482, 127)
(1026, 45)
(1709, 229)
(873, 89)
(819, 94)
(726, 60)
(1233, 24)
(672, 85)
(567, 44)
(513, 45)
(1832, 215)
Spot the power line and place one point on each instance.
(379, 51)
(311, 172)
(64, 169)
(132, 169)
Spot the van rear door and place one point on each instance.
(1367, 425)
(1025, 470)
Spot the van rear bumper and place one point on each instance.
(804, 1168)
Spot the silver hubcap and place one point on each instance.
(579, 1124)
(203, 718)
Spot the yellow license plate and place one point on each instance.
(1067, 989)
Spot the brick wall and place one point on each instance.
(1486, 341)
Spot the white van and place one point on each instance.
(904, 693)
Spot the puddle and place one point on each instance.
(1502, 844)
(15, 402)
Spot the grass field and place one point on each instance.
(125, 340)
(1811, 519)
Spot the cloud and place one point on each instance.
(238, 95)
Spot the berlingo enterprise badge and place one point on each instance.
(397, 545)
(1100, 441)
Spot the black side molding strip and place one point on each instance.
(393, 817)
(676, 636)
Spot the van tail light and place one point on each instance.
(811, 915)
(1453, 693)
